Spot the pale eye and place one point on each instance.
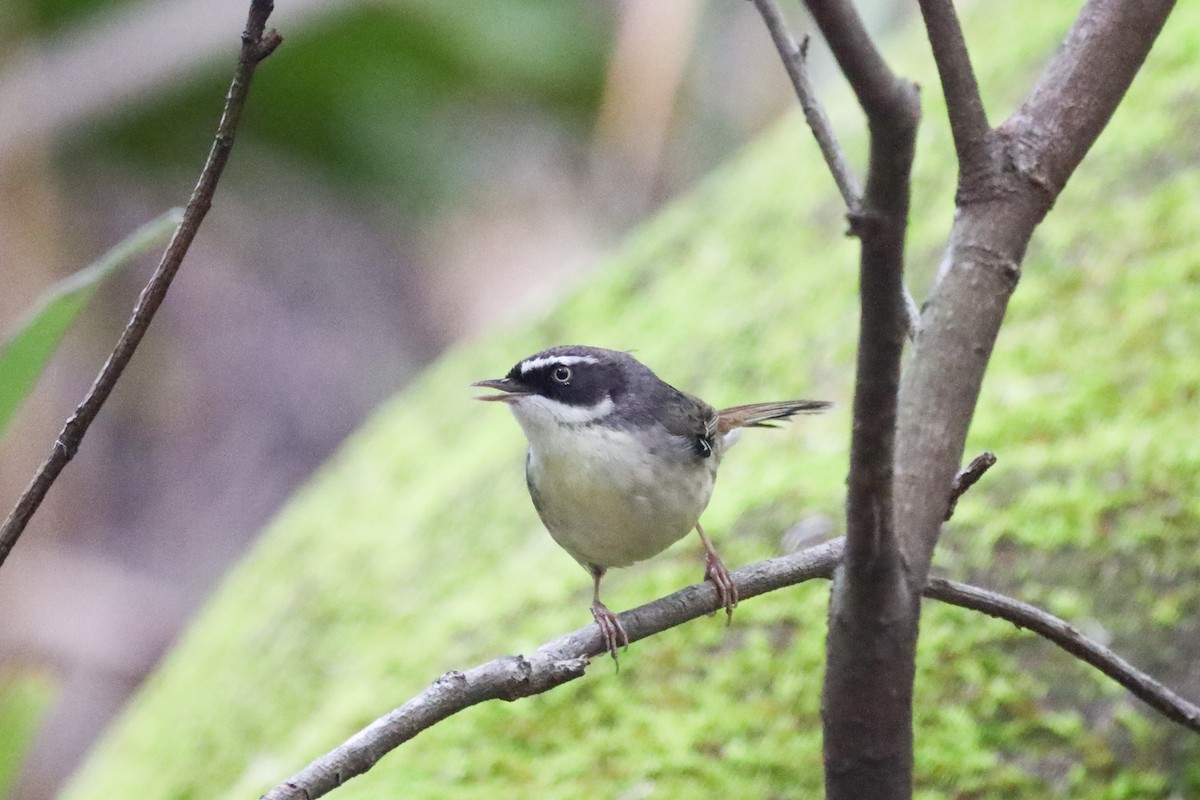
(562, 375)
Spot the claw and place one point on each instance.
(611, 630)
(716, 572)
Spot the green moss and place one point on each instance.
(416, 550)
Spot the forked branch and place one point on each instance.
(256, 45)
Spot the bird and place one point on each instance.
(621, 464)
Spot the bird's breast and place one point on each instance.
(610, 497)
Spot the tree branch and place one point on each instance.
(1058, 631)
(873, 612)
(256, 45)
(1033, 154)
(554, 663)
(1080, 89)
(564, 659)
(795, 62)
(968, 119)
(794, 58)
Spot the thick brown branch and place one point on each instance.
(1036, 150)
(255, 47)
(873, 612)
(968, 119)
(1081, 87)
(564, 659)
(1048, 626)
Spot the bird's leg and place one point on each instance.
(715, 571)
(611, 629)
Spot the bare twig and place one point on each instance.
(967, 477)
(968, 119)
(564, 659)
(1050, 627)
(256, 45)
(794, 61)
(794, 58)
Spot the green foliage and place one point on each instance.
(416, 549)
(24, 355)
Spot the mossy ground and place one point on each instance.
(416, 549)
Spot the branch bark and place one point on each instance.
(871, 647)
(968, 120)
(564, 659)
(1034, 152)
(256, 45)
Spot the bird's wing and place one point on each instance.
(760, 415)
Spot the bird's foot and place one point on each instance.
(716, 571)
(611, 629)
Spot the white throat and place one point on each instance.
(542, 418)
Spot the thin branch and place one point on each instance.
(795, 60)
(554, 663)
(1050, 627)
(967, 477)
(566, 658)
(968, 119)
(794, 57)
(256, 45)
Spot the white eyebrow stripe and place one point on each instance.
(564, 361)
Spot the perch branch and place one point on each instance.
(968, 119)
(556, 662)
(256, 45)
(967, 477)
(564, 659)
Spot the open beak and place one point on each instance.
(510, 388)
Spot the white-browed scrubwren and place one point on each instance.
(621, 464)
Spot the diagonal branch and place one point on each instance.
(1058, 631)
(967, 477)
(554, 663)
(256, 45)
(794, 58)
(564, 659)
(794, 61)
(968, 119)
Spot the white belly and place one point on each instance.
(609, 501)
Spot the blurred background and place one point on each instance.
(408, 173)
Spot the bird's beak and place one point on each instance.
(510, 388)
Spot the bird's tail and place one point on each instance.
(760, 415)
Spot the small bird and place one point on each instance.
(621, 464)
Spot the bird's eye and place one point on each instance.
(562, 375)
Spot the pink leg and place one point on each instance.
(610, 626)
(715, 571)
